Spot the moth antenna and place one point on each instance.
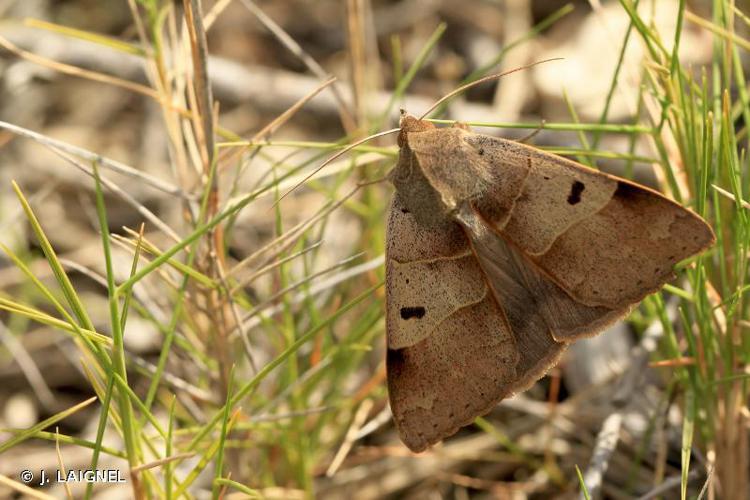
(332, 158)
(381, 134)
(482, 80)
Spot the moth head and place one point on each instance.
(410, 123)
(407, 163)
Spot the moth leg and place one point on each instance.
(461, 125)
(373, 181)
(530, 136)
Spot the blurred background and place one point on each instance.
(278, 305)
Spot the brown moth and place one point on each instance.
(498, 256)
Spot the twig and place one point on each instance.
(706, 484)
(274, 89)
(640, 355)
(606, 440)
(667, 484)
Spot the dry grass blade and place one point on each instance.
(114, 165)
(333, 168)
(277, 122)
(201, 86)
(127, 197)
(74, 71)
(28, 367)
(180, 385)
(334, 157)
(61, 463)
(464, 88)
(293, 286)
(23, 489)
(346, 116)
(274, 264)
(668, 484)
(158, 463)
(280, 244)
(237, 316)
(730, 196)
(350, 437)
(318, 288)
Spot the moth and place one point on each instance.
(498, 256)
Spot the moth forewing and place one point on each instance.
(440, 381)
(507, 253)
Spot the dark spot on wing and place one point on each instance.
(575, 192)
(412, 312)
(396, 356)
(627, 191)
(481, 151)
